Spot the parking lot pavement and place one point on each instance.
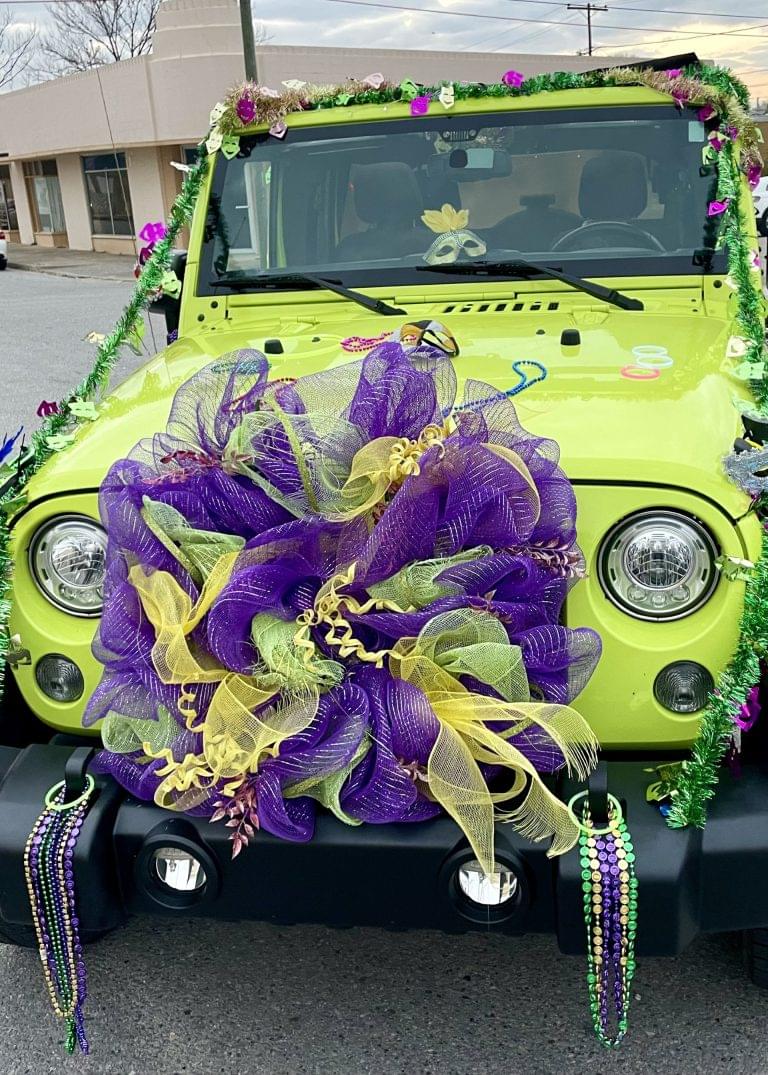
(196, 997)
(43, 352)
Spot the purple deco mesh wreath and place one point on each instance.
(378, 572)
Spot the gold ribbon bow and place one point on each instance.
(468, 642)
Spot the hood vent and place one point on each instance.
(499, 307)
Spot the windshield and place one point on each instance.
(605, 191)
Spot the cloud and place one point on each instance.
(308, 22)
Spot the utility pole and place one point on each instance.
(249, 44)
(589, 8)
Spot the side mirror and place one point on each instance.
(166, 305)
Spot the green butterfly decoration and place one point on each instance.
(83, 408)
(59, 441)
(735, 569)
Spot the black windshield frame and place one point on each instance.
(418, 275)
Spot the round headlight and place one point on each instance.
(68, 559)
(658, 565)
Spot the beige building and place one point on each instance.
(86, 160)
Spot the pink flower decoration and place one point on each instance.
(374, 81)
(705, 112)
(749, 711)
(754, 174)
(716, 208)
(732, 132)
(266, 91)
(420, 105)
(512, 78)
(47, 408)
(756, 263)
(246, 110)
(278, 130)
(153, 233)
(716, 143)
(680, 97)
(674, 72)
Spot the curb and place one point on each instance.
(67, 274)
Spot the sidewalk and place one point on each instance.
(81, 264)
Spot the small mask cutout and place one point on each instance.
(453, 236)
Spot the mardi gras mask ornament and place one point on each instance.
(453, 236)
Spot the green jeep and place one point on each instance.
(583, 247)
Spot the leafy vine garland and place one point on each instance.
(722, 102)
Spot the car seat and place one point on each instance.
(388, 199)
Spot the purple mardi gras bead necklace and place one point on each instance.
(610, 913)
(49, 873)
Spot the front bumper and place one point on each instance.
(394, 876)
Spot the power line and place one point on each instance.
(543, 22)
(676, 40)
(495, 36)
(656, 10)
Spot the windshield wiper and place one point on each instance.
(267, 280)
(518, 266)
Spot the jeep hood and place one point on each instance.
(614, 424)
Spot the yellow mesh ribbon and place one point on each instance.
(530, 493)
(431, 662)
(235, 739)
(171, 612)
(382, 464)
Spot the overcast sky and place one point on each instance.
(649, 27)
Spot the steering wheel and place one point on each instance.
(571, 239)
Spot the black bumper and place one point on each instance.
(395, 876)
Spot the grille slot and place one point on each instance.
(498, 307)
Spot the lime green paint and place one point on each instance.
(628, 445)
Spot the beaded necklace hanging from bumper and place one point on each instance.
(49, 874)
(610, 914)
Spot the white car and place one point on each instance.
(3, 251)
(760, 195)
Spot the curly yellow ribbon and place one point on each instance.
(329, 611)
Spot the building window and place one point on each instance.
(42, 179)
(8, 221)
(109, 199)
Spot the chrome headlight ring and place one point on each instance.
(67, 558)
(658, 565)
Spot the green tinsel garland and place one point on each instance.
(694, 781)
(691, 784)
(65, 421)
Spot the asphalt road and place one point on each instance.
(184, 997)
(43, 353)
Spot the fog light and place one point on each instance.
(683, 687)
(487, 890)
(179, 870)
(59, 678)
